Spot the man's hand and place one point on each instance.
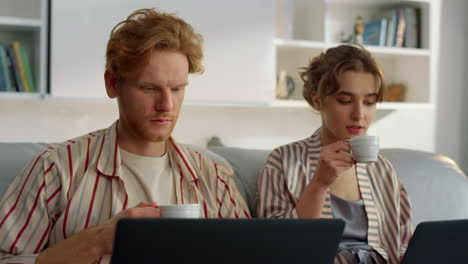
(106, 230)
(89, 245)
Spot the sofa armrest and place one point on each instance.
(437, 187)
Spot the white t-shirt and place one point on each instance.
(147, 179)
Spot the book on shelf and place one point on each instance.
(375, 32)
(3, 71)
(21, 67)
(27, 68)
(15, 70)
(6, 65)
(3, 87)
(397, 27)
(10, 71)
(412, 32)
(401, 28)
(391, 16)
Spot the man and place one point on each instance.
(64, 206)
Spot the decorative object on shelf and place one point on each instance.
(395, 92)
(285, 86)
(345, 37)
(358, 30)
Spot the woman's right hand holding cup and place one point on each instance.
(334, 159)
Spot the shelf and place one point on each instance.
(104, 100)
(404, 106)
(290, 104)
(13, 22)
(188, 103)
(380, 106)
(226, 104)
(398, 51)
(374, 2)
(373, 49)
(299, 43)
(20, 95)
(301, 104)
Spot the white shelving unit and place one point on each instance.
(26, 21)
(305, 28)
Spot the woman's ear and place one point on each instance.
(316, 101)
(112, 88)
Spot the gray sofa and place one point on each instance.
(437, 187)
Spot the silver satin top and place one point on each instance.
(355, 233)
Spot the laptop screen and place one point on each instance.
(227, 240)
(438, 242)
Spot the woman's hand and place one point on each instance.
(334, 160)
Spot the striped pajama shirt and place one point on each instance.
(76, 184)
(290, 168)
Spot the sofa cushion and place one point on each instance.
(13, 158)
(246, 164)
(437, 187)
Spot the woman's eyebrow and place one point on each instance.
(345, 93)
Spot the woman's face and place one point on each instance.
(349, 111)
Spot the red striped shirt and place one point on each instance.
(62, 194)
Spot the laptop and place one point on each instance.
(226, 241)
(438, 242)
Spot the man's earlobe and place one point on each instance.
(317, 104)
(111, 84)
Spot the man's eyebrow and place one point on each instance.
(182, 85)
(157, 86)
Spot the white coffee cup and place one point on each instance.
(180, 211)
(365, 149)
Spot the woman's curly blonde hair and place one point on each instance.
(133, 40)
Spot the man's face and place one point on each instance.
(149, 104)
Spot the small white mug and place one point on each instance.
(365, 149)
(179, 211)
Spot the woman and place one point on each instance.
(315, 178)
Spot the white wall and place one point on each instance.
(247, 127)
(451, 125)
(57, 120)
(238, 52)
(463, 161)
